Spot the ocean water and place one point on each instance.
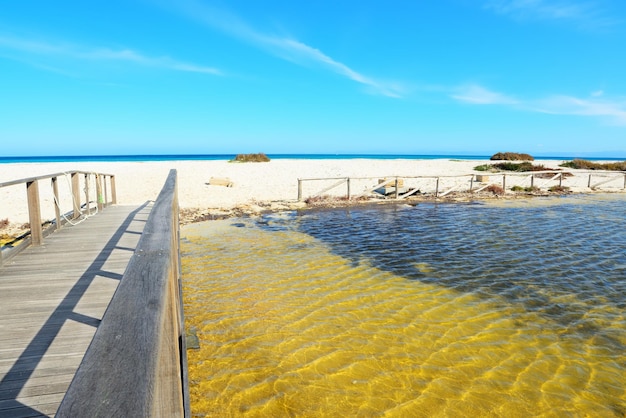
(226, 157)
(513, 309)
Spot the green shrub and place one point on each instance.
(590, 165)
(484, 167)
(512, 156)
(558, 189)
(517, 189)
(254, 158)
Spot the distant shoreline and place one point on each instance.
(228, 157)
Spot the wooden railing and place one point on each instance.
(136, 365)
(82, 203)
(465, 182)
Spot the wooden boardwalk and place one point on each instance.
(52, 298)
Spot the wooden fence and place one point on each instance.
(401, 187)
(136, 365)
(98, 186)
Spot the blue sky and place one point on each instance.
(547, 77)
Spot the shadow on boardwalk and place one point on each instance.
(17, 376)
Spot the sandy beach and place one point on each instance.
(255, 186)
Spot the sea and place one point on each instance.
(499, 309)
(213, 157)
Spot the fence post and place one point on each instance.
(471, 183)
(106, 191)
(532, 181)
(34, 212)
(504, 182)
(87, 209)
(113, 192)
(348, 185)
(589, 182)
(561, 180)
(99, 197)
(437, 188)
(57, 211)
(624, 181)
(76, 195)
(396, 189)
(299, 190)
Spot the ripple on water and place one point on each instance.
(436, 310)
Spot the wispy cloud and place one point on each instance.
(585, 13)
(38, 48)
(596, 105)
(284, 47)
(613, 110)
(476, 94)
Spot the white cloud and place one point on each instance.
(597, 105)
(80, 52)
(284, 47)
(587, 13)
(475, 94)
(614, 110)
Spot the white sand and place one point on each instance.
(254, 183)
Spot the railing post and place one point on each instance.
(34, 212)
(532, 181)
(76, 195)
(589, 182)
(99, 197)
(396, 189)
(113, 193)
(299, 190)
(57, 211)
(624, 181)
(504, 182)
(561, 180)
(348, 187)
(471, 183)
(437, 188)
(87, 209)
(106, 191)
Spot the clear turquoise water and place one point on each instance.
(514, 308)
(210, 157)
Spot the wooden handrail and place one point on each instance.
(37, 233)
(136, 365)
(530, 174)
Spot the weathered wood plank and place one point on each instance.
(52, 298)
(141, 331)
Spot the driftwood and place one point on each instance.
(220, 181)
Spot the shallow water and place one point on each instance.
(512, 309)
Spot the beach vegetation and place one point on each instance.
(484, 167)
(251, 158)
(517, 167)
(4, 223)
(495, 189)
(512, 156)
(590, 165)
(529, 189)
(559, 189)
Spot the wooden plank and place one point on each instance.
(51, 304)
(142, 337)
